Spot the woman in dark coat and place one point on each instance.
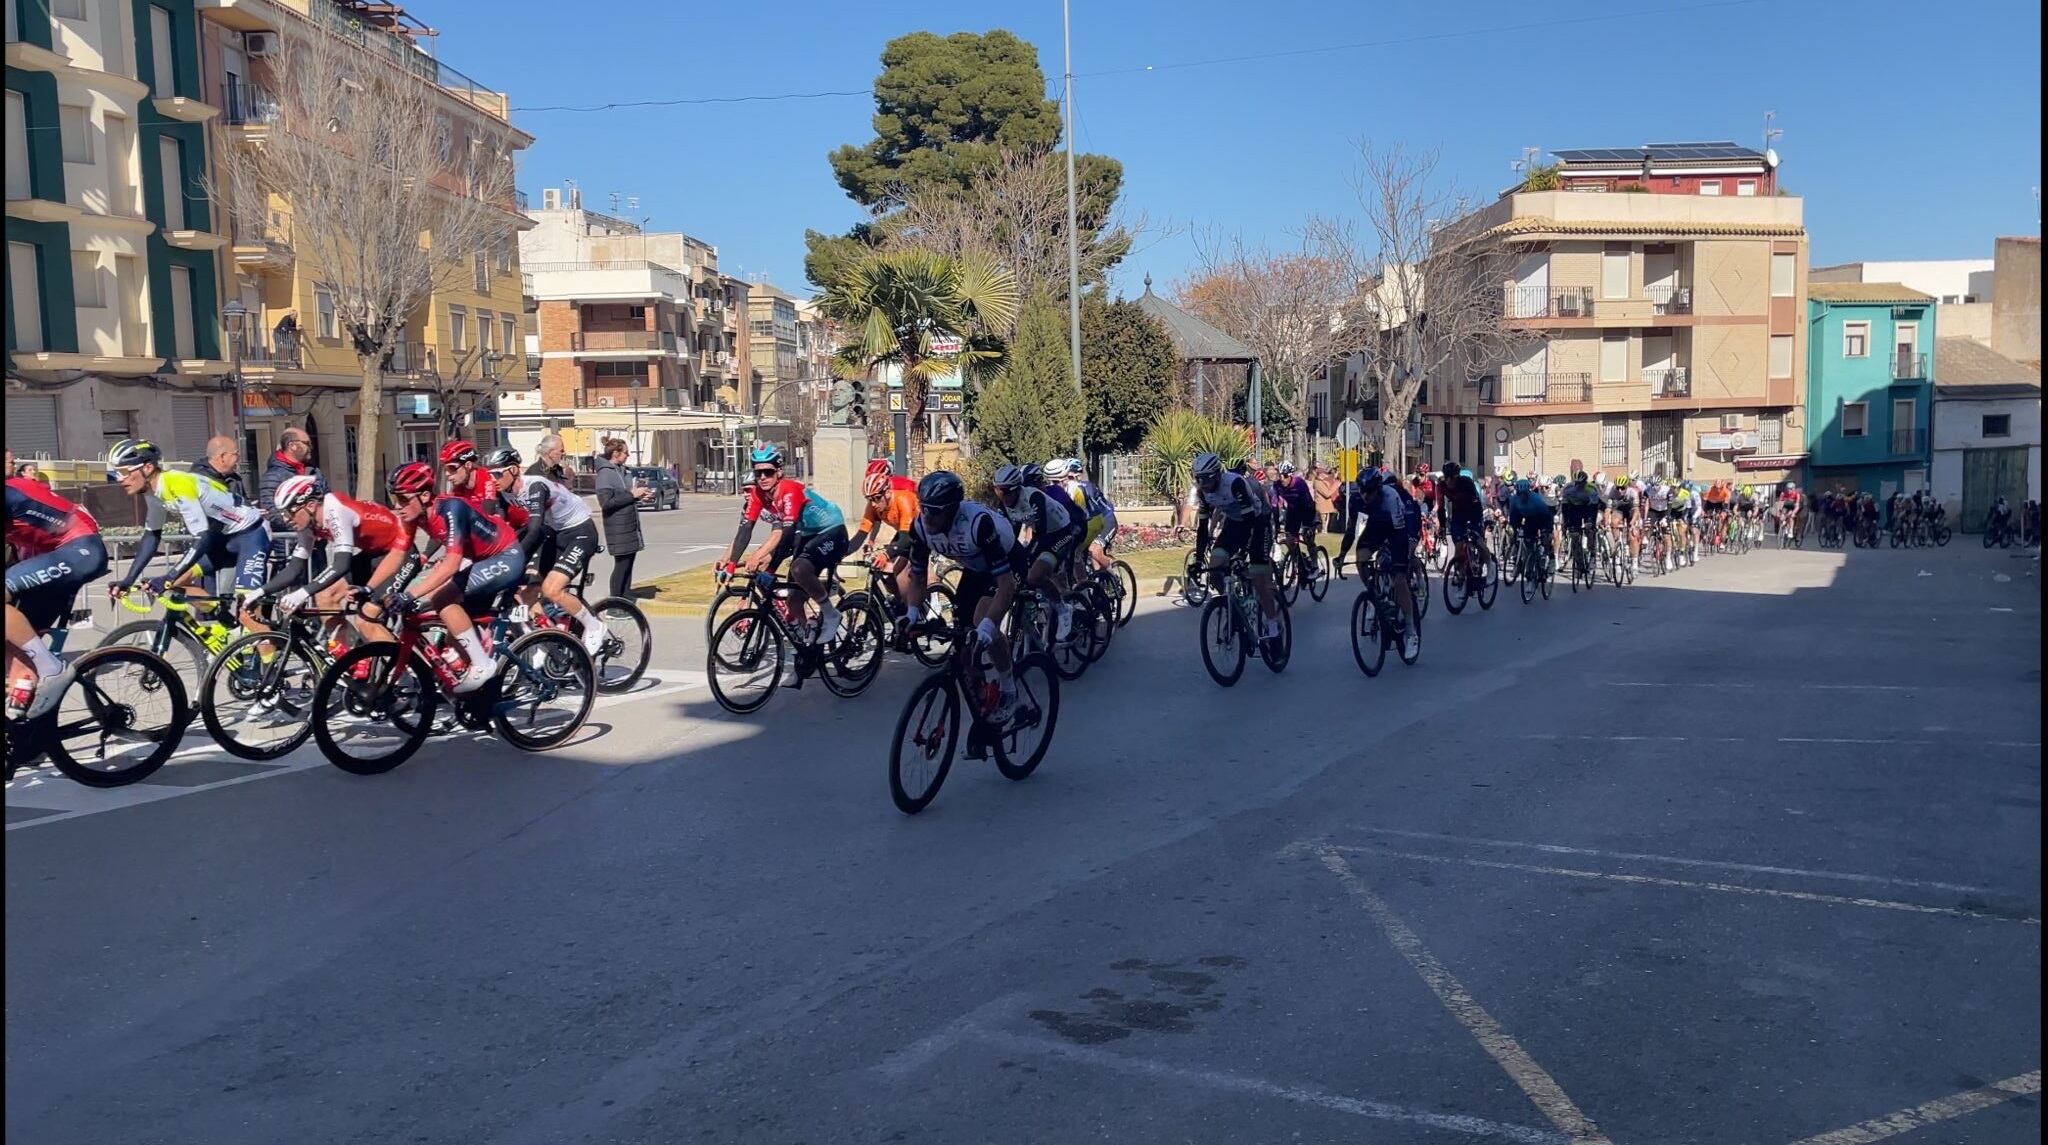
(619, 499)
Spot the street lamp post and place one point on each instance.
(234, 317)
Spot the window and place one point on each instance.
(1997, 425)
(509, 326)
(116, 425)
(24, 272)
(458, 328)
(68, 9)
(1855, 339)
(162, 50)
(1710, 186)
(171, 165)
(74, 125)
(1614, 271)
(1784, 272)
(1745, 188)
(480, 262)
(323, 308)
(184, 335)
(1770, 434)
(504, 256)
(1613, 444)
(87, 291)
(1614, 356)
(1855, 419)
(1781, 355)
(18, 185)
(485, 332)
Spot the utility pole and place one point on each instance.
(1073, 238)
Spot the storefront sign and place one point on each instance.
(258, 404)
(1735, 442)
(1784, 461)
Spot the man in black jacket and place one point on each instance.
(547, 459)
(223, 464)
(292, 459)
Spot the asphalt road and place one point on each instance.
(1748, 854)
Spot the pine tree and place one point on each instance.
(1031, 412)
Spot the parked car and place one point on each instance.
(668, 492)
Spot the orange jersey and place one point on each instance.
(898, 509)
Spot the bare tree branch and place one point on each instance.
(390, 188)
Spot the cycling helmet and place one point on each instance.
(458, 451)
(1371, 479)
(294, 492)
(880, 467)
(766, 453)
(874, 484)
(1207, 467)
(504, 457)
(1010, 477)
(1522, 485)
(1287, 469)
(412, 477)
(940, 491)
(1450, 470)
(1791, 486)
(1580, 477)
(1034, 474)
(129, 454)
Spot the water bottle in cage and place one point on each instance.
(451, 658)
(991, 688)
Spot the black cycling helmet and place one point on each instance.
(504, 457)
(1371, 479)
(940, 490)
(1011, 476)
(1450, 470)
(1034, 473)
(1579, 476)
(1207, 467)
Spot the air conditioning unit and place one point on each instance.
(1569, 305)
(1730, 422)
(604, 402)
(258, 44)
(551, 199)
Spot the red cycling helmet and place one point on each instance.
(880, 467)
(457, 452)
(412, 477)
(875, 485)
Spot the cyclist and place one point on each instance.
(1247, 528)
(1789, 499)
(1423, 485)
(1102, 525)
(1057, 529)
(803, 528)
(1718, 496)
(1581, 505)
(980, 541)
(1531, 514)
(1746, 504)
(480, 555)
(560, 533)
(1462, 510)
(57, 551)
(891, 501)
(226, 534)
(1385, 530)
(1687, 504)
(1866, 516)
(1622, 503)
(1297, 506)
(367, 546)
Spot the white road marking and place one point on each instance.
(1584, 737)
(1304, 1095)
(1549, 1098)
(1656, 881)
(1802, 872)
(1783, 687)
(1930, 1112)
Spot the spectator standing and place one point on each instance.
(223, 464)
(619, 498)
(293, 458)
(547, 459)
(1324, 487)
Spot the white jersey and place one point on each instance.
(554, 503)
(978, 539)
(1660, 497)
(1236, 498)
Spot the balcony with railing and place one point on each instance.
(1669, 381)
(1544, 387)
(411, 360)
(1909, 367)
(623, 341)
(631, 397)
(1668, 298)
(1909, 442)
(521, 201)
(263, 248)
(1523, 301)
(248, 105)
(280, 352)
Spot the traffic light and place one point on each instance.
(857, 413)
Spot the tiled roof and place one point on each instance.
(1865, 292)
(1197, 340)
(1537, 224)
(1967, 365)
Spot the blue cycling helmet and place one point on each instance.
(766, 453)
(1522, 485)
(1370, 480)
(1009, 477)
(1207, 467)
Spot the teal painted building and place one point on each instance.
(1869, 386)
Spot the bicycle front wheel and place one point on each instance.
(745, 661)
(185, 653)
(1319, 578)
(545, 691)
(926, 734)
(1021, 744)
(369, 719)
(932, 646)
(854, 658)
(1127, 604)
(1368, 642)
(626, 651)
(1489, 581)
(1528, 578)
(1222, 650)
(1418, 586)
(120, 719)
(1456, 587)
(257, 699)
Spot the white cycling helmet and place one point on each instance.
(1056, 469)
(294, 492)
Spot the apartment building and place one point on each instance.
(112, 280)
(462, 347)
(1655, 303)
(776, 353)
(1870, 385)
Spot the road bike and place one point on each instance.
(1375, 570)
(120, 718)
(193, 630)
(1533, 568)
(928, 731)
(1791, 532)
(1303, 566)
(930, 644)
(754, 647)
(257, 698)
(1231, 625)
(1999, 532)
(628, 647)
(1473, 573)
(368, 720)
(1032, 626)
(1119, 582)
(1377, 622)
(1585, 569)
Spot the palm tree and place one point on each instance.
(898, 303)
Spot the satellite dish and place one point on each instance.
(1771, 157)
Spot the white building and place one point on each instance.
(1987, 430)
(1950, 280)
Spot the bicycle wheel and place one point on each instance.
(1021, 744)
(935, 643)
(926, 734)
(1127, 604)
(119, 720)
(1279, 650)
(1489, 581)
(545, 691)
(1287, 578)
(1319, 579)
(1456, 590)
(1368, 641)
(186, 654)
(853, 659)
(744, 662)
(731, 597)
(629, 647)
(1531, 570)
(1543, 575)
(1099, 619)
(1222, 651)
(370, 725)
(1942, 535)
(1070, 656)
(1418, 585)
(267, 713)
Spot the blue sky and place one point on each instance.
(1911, 130)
